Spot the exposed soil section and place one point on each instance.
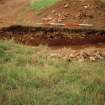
(79, 44)
(52, 36)
(78, 11)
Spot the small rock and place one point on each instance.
(86, 6)
(81, 59)
(71, 55)
(66, 14)
(64, 58)
(66, 5)
(53, 55)
(92, 58)
(53, 11)
(103, 54)
(98, 55)
(47, 19)
(59, 20)
(83, 54)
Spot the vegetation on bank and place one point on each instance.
(42, 4)
(28, 76)
(103, 1)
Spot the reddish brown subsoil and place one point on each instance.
(78, 11)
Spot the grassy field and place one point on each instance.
(42, 4)
(28, 76)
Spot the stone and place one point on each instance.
(71, 55)
(66, 5)
(81, 59)
(53, 11)
(85, 6)
(92, 58)
(53, 55)
(83, 54)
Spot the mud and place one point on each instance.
(52, 36)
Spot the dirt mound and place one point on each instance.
(78, 11)
(65, 11)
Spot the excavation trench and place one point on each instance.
(52, 36)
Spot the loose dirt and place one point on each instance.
(78, 11)
(15, 12)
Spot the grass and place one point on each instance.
(29, 76)
(42, 4)
(103, 1)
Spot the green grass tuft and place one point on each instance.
(42, 4)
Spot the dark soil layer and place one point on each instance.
(52, 36)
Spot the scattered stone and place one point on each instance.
(53, 11)
(66, 14)
(59, 20)
(86, 6)
(66, 5)
(71, 55)
(92, 58)
(81, 59)
(100, 57)
(64, 58)
(84, 54)
(79, 55)
(47, 19)
(53, 55)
